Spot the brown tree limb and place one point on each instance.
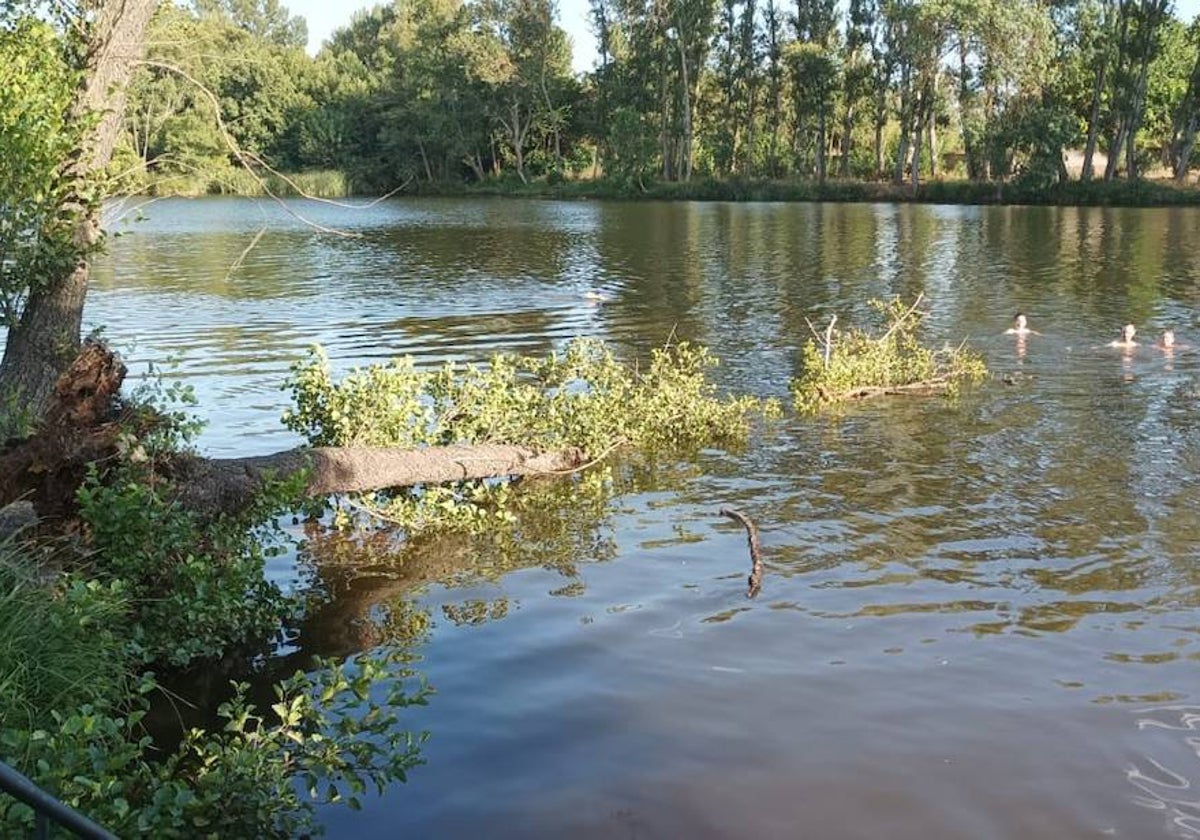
(918, 389)
(756, 564)
(222, 485)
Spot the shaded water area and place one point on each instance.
(979, 619)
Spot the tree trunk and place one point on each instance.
(1115, 147)
(1187, 118)
(878, 148)
(46, 338)
(1183, 148)
(516, 135)
(425, 161)
(1089, 149)
(226, 485)
(685, 152)
(747, 167)
(476, 163)
(820, 147)
(847, 131)
(1136, 112)
(664, 133)
(918, 138)
(901, 156)
(932, 141)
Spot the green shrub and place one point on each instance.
(856, 363)
(582, 398)
(158, 586)
(326, 731)
(59, 644)
(195, 588)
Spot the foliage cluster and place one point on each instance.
(1119, 193)
(584, 397)
(37, 140)
(856, 362)
(157, 587)
(336, 731)
(481, 91)
(56, 647)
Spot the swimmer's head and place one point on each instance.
(1168, 338)
(1128, 332)
(1020, 322)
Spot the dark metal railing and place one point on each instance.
(48, 809)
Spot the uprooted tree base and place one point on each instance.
(81, 427)
(86, 424)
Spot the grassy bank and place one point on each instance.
(1091, 193)
(337, 184)
(326, 183)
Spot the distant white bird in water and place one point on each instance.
(594, 296)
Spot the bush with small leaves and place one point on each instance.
(583, 397)
(857, 363)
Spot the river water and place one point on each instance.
(979, 619)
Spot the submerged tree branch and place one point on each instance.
(221, 485)
(756, 564)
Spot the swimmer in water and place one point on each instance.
(1168, 344)
(1126, 340)
(594, 297)
(1020, 326)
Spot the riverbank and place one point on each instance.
(1073, 193)
(323, 183)
(336, 184)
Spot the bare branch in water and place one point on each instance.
(756, 567)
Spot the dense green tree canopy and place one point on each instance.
(453, 90)
(36, 138)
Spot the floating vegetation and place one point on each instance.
(841, 365)
(583, 398)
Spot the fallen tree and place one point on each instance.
(384, 428)
(216, 485)
(86, 421)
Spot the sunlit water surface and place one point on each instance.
(979, 619)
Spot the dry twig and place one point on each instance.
(756, 568)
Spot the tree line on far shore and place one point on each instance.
(451, 91)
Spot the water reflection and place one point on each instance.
(1173, 793)
(961, 601)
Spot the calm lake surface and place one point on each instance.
(979, 619)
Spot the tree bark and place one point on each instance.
(1093, 133)
(918, 141)
(214, 486)
(1183, 149)
(686, 102)
(1115, 146)
(877, 145)
(46, 338)
(820, 147)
